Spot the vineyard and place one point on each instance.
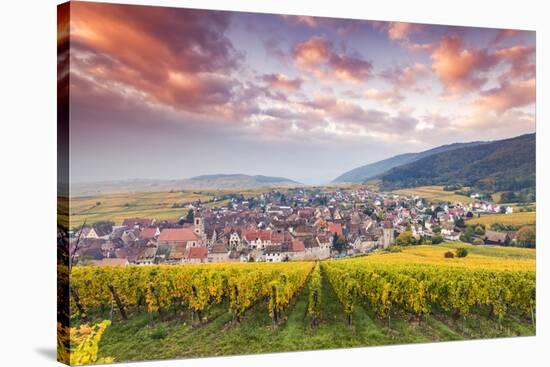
(237, 308)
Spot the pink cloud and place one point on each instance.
(400, 30)
(461, 69)
(281, 81)
(317, 57)
(503, 34)
(389, 97)
(507, 96)
(175, 57)
(408, 76)
(521, 59)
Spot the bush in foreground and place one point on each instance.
(461, 252)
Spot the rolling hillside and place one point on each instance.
(232, 181)
(371, 170)
(501, 165)
(211, 182)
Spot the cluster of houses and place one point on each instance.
(269, 229)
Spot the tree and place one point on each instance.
(436, 229)
(478, 242)
(405, 238)
(467, 234)
(479, 230)
(339, 243)
(437, 239)
(527, 237)
(190, 216)
(461, 252)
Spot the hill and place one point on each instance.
(233, 181)
(212, 182)
(502, 165)
(372, 170)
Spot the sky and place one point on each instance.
(171, 93)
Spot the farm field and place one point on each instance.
(520, 218)
(434, 193)
(154, 204)
(256, 308)
(117, 207)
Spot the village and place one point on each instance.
(275, 226)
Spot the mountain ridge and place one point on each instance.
(500, 165)
(371, 170)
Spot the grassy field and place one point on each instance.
(158, 205)
(496, 251)
(486, 257)
(172, 334)
(117, 207)
(435, 194)
(514, 219)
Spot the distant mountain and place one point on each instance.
(230, 181)
(502, 165)
(371, 170)
(236, 181)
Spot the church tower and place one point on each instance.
(198, 227)
(387, 235)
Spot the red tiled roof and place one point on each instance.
(148, 232)
(298, 246)
(197, 253)
(178, 234)
(252, 235)
(335, 228)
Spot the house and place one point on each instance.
(273, 253)
(174, 237)
(138, 223)
(447, 229)
(100, 230)
(496, 238)
(258, 239)
(110, 262)
(234, 240)
(295, 251)
(176, 255)
(196, 255)
(149, 233)
(145, 256)
(335, 228)
(218, 253)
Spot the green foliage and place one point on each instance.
(478, 242)
(437, 239)
(339, 243)
(479, 230)
(190, 217)
(468, 234)
(505, 165)
(527, 236)
(461, 252)
(315, 294)
(78, 346)
(405, 238)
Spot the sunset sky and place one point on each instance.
(173, 93)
